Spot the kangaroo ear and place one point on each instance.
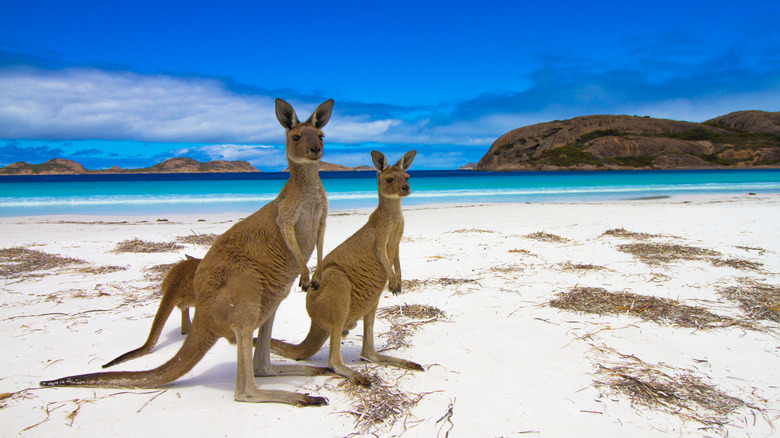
(379, 160)
(285, 114)
(406, 160)
(321, 115)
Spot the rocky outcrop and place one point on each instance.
(188, 165)
(744, 139)
(60, 166)
(749, 121)
(331, 167)
(56, 166)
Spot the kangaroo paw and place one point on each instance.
(310, 400)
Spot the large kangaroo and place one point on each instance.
(246, 274)
(353, 276)
(176, 292)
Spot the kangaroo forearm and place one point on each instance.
(288, 233)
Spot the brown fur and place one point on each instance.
(353, 276)
(176, 292)
(246, 274)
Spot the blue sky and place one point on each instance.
(135, 82)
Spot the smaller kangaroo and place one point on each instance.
(176, 292)
(353, 276)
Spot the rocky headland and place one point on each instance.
(744, 139)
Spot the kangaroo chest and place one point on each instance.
(308, 223)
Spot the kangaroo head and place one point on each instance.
(393, 180)
(304, 140)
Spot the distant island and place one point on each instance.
(744, 139)
(59, 166)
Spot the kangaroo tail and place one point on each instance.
(306, 349)
(198, 342)
(167, 303)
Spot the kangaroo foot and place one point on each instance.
(312, 400)
(276, 396)
(291, 370)
(394, 361)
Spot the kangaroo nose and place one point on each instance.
(405, 188)
(315, 149)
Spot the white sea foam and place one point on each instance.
(360, 193)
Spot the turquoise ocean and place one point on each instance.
(242, 193)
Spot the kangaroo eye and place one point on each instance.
(322, 136)
(296, 137)
(389, 180)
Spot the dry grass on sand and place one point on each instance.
(623, 233)
(546, 237)
(17, 261)
(671, 390)
(140, 246)
(413, 285)
(659, 253)
(404, 321)
(757, 300)
(655, 253)
(660, 310)
(378, 407)
(198, 239)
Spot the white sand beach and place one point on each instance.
(667, 321)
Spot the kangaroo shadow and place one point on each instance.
(223, 375)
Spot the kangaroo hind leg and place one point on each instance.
(246, 388)
(186, 324)
(369, 351)
(262, 357)
(330, 309)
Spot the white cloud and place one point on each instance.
(83, 103)
(92, 104)
(261, 156)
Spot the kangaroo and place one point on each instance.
(353, 276)
(246, 274)
(176, 292)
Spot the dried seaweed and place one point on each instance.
(507, 269)
(398, 335)
(739, 264)
(411, 311)
(140, 246)
(473, 230)
(546, 237)
(757, 300)
(622, 232)
(404, 321)
(100, 270)
(659, 253)
(378, 407)
(671, 390)
(17, 261)
(568, 266)
(198, 239)
(411, 285)
(660, 310)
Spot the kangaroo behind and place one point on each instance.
(176, 292)
(354, 275)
